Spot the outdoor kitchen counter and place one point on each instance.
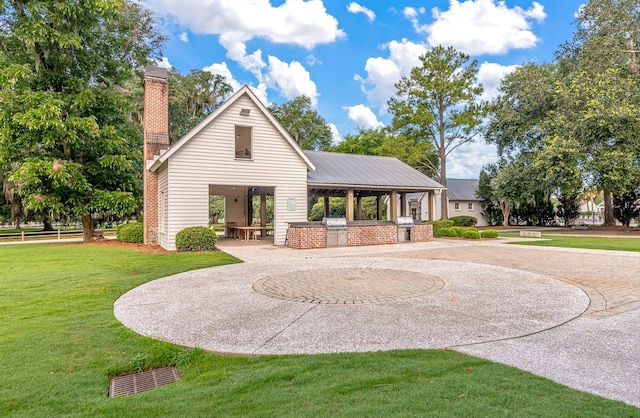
(308, 235)
(368, 223)
(311, 224)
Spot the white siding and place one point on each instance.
(163, 206)
(464, 210)
(209, 158)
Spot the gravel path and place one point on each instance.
(570, 315)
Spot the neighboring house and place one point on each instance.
(461, 194)
(241, 151)
(463, 200)
(595, 213)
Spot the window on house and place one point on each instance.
(470, 206)
(456, 206)
(243, 142)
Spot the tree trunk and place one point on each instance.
(47, 224)
(87, 228)
(444, 203)
(506, 210)
(608, 207)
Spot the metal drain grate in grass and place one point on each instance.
(142, 382)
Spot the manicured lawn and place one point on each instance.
(594, 243)
(59, 343)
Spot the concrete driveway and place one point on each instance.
(569, 315)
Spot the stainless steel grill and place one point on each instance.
(405, 221)
(405, 228)
(336, 231)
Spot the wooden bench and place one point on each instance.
(531, 234)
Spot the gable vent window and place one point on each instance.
(243, 142)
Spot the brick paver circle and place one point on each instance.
(348, 285)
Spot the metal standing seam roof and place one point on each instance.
(365, 170)
(462, 189)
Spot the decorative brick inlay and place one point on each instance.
(306, 238)
(348, 286)
(422, 233)
(371, 234)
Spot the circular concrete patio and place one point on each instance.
(289, 304)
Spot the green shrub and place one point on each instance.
(464, 220)
(470, 233)
(132, 232)
(442, 223)
(489, 233)
(458, 230)
(196, 238)
(445, 232)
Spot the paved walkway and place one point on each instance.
(569, 315)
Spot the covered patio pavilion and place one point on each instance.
(354, 176)
(349, 176)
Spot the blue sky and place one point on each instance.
(346, 56)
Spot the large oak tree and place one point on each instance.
(67, 138)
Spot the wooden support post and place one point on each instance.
(379, 207)
(403, 204)
(359, 208)
(430, 196)
(349, 205)
(263, 215)
(327, 209)
(393, 205)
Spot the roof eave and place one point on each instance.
(371, 187)
(243, 90)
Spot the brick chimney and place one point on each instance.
(156, 139)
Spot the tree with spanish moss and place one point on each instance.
(307, 127)
(68, 140)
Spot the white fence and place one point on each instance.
(47, 235)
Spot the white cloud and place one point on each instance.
(335, 134)
(354, 8)
(363, 117)
(313, 60)
(536, 12)
(383, 73)
(296, 22)
(184, 37)
(261, 92)
(223, 70)
(291, 80)
(483, 26)
(489, 75)
(412, 14)
(465, 162)
(164, 63)
(253, 62)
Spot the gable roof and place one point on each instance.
(368, 171)
(462, 189)
(237, 95)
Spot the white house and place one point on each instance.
(237, 151)
(463, 200)
(241, 151)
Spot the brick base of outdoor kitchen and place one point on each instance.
(309, 235)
